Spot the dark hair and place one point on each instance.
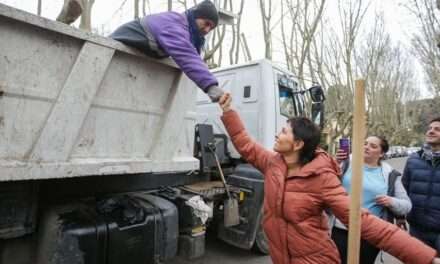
(437, 119)
(384, 146)
(307, 131)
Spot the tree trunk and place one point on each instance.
(234, 51)
(39, 7)
(267, 34)
(70, 12)
(86, 17)
(136, 9)
(425, 42)
(237, 44)
(144, 13)
(245, 47)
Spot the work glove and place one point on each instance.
(214, 92)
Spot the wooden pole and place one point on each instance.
(354, 230)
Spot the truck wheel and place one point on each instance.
(261, 244)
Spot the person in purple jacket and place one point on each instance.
(180, 36)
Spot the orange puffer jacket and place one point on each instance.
(294, 218)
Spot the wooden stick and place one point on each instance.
(354, 231)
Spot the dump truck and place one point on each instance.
(109, 156)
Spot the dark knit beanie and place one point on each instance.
(207, 10)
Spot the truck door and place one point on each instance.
(289, 103)
(243, 86)
(295, 102)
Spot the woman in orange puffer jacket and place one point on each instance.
(300, 182)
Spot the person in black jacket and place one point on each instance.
(421, 179)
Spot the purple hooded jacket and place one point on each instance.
(171, 31)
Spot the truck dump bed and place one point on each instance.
(76, 104)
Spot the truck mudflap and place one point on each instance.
(251, 181)
(138, 228)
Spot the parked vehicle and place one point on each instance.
(388, 154)
(401, 151)
(412, 150)
(396, 152)
(107, 156)
(391, 153)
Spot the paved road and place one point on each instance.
(397, 163)
(218, 252)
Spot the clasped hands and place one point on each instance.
(225, 102)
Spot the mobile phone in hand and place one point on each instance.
(344, 144)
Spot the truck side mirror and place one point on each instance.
(318, 114)
(317, 94)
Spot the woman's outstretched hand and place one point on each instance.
(225, 102)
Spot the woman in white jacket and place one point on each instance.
(383, 194)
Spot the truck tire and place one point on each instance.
(261, 244)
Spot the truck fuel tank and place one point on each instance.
(131, 229)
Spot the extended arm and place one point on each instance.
(174, 39)
(248, 148)
(380, 233)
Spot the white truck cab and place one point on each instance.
(265, 97)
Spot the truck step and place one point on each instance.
(208, 190)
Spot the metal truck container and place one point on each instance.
(96, 140)
(75, 104)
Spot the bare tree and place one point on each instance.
(216, 41)
(339, 60)
(234, 51)
(389, 75)
(86, 17)
(136, 9)
(351, 14)
(370, 59)
(287, 54)
(245, 47)
(314, 53)
(266, 17)
(39, 7)
(305, 18)
(70, 11)
(183, 3)
(145, 3)
(319, 50)
(425, 43)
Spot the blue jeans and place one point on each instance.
(368, 252)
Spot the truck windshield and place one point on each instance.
(287, 103)
(291, 101)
